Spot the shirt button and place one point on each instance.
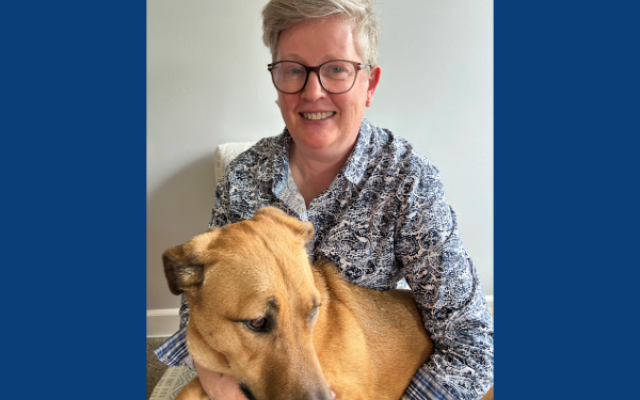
(316, 204)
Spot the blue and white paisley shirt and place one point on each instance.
(385, 217)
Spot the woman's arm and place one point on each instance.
(449, 294)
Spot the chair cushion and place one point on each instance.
(173, 380)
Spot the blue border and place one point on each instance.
(566, 128)
(73, 162)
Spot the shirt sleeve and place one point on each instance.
(173, 351)
(448, 292)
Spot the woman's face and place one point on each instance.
(312, 44)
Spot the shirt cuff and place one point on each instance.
(423, 386)
(174, 352)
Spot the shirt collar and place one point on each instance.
(276, 165)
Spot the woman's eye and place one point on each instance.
(294, 71)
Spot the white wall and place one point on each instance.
(207, 84)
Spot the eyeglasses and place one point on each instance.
(337, 76)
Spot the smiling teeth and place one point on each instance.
(318, 115)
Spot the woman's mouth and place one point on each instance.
(317, 116)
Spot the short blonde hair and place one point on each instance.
(279, 15)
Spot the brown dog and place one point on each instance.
(285, 330)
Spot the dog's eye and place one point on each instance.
(258, 325)
(315, 311)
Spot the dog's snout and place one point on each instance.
(322, 393)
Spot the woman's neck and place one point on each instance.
(313, 173)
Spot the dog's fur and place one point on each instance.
(361, 343)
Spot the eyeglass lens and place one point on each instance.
(335, 76)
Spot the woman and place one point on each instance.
(377, 206)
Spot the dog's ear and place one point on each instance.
(303, 229)
(184, 264)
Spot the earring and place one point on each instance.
(369, 101)
(278, 104)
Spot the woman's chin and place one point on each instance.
(315, 133)
(314, 141)
(322, 134)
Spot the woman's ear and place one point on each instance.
(374, 79)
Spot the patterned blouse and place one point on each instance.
(385, 217)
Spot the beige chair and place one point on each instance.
(224, 154)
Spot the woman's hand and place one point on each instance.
(219, 386)
(222, 387)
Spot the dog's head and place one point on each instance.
(254, 305)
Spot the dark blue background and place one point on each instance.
(566, 219)
(73, 172)
(74, 186)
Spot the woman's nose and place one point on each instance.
(313, 90)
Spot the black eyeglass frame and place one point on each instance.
(358, 66)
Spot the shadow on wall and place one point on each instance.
(177, 210)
